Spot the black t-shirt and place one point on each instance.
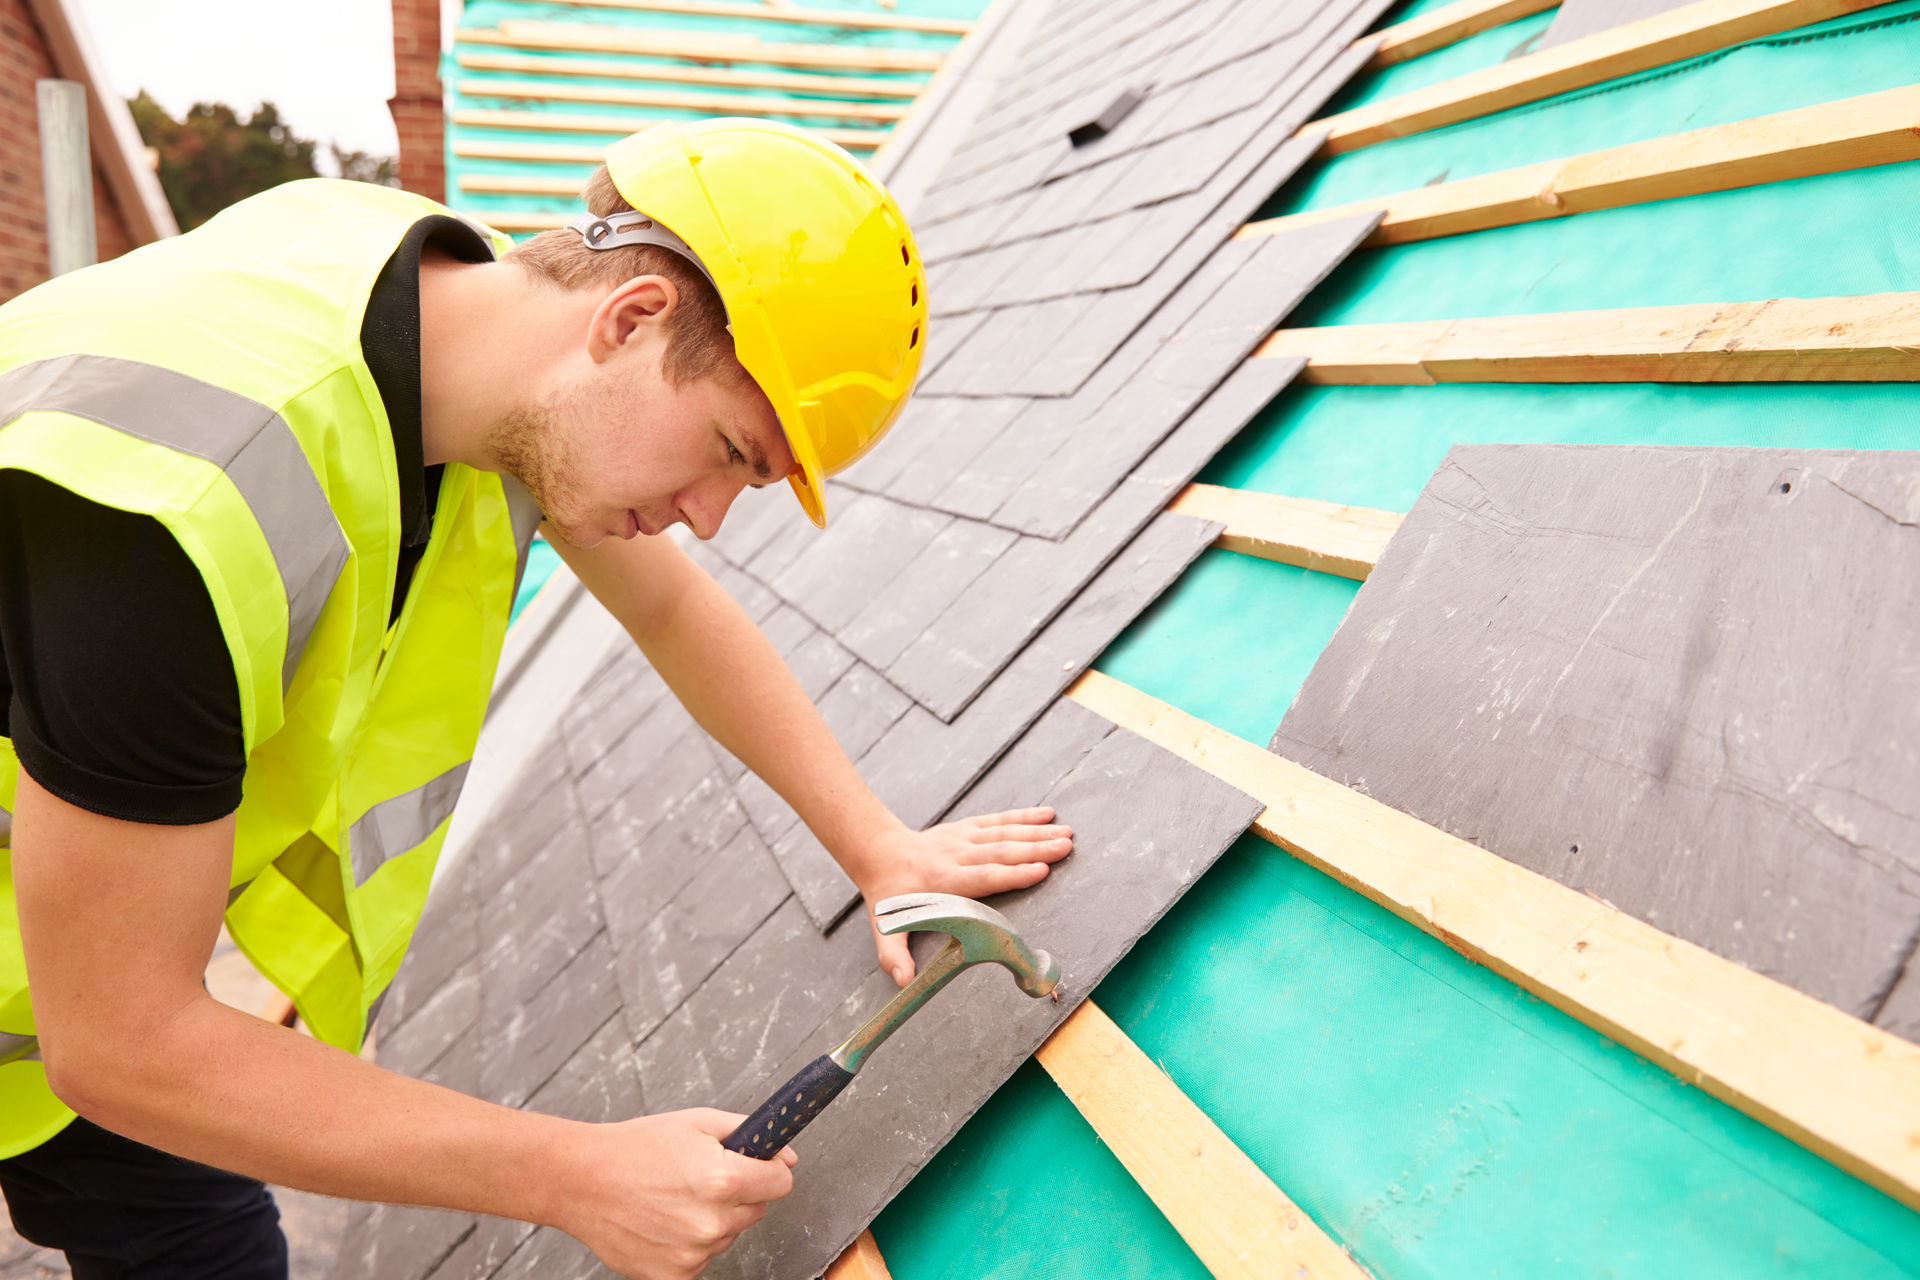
(116, 681)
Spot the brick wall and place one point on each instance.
(23, 216)
(418, 111)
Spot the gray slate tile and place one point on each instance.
(666, 958)
(991, 620)
(599, 1084)
(923, 763)
(1082, 468)
(943, 569)
(484, 1250)
(824, 890)
(719, 1045)
(860, 552)
(527, 1048)
(537, 923)
(547, 1254)
(1147, 826)
(397, 1242)
(1637, 671)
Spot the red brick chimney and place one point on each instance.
(418, 111)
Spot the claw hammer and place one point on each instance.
(976, 935)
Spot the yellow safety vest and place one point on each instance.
(215, 382)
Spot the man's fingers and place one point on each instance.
(1014, 851)
(983, 882)
(895, 959)
(1031, 834)
(1013, 817)
(765, 1180)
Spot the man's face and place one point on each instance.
(621, 451)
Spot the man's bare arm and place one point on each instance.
(729, 676)
(118, 920)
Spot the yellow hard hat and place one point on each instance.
(821, 278)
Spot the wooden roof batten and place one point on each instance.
(712, 104)
(784, 12)
(1680, 33)
(1829, 137)
(1843, 1089)
(695, 47)
(1405, 41)
(609, 68)
(1867, 338)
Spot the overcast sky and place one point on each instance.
(328, 66)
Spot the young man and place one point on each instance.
(263, 494)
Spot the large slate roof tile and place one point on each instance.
(719, 1045)
(483, 1251)
(988, 623)
(629, 760)
(1268, 284)
(623, 690)
(398, 1242)
(861, 551)
(441, 1019)
(966, 427)
(539, 920)
(599, 1084)
(735, 889)
(1147, 825)
(527, 1048)
(862, 706)
(662, 857)
(922, 763)
(547, 1254)
(943, 569)
(824, 890)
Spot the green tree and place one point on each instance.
(213, 158)
(364, 166)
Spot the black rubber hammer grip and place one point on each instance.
(787, 1112)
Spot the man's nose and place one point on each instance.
(709, 504)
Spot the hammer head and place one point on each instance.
(983, 934)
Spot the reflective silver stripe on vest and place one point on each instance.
(394, 826)
(244, 438)
(526, 517)
(13, 1048)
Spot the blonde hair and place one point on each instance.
(698, 343)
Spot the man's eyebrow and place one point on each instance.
(760, 467)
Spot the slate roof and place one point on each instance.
(643, 926)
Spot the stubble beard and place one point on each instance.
(529, 445)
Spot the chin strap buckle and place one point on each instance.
(630, 229)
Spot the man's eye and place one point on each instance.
(733, 454)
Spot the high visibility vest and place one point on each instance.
(215, 382)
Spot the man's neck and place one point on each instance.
(491, 336)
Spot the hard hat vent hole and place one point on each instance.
(916, 293)
(905, 261)
(914, 341)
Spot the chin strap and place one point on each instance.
(626, 230)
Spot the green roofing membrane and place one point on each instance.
(1864, 53)
(467, 88)
(1434, 1118)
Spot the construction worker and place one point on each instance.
(265, 491)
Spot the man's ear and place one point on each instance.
(633, 311)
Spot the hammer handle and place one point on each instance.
(762, 1134)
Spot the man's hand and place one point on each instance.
(974, 857)
(665, 1198)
